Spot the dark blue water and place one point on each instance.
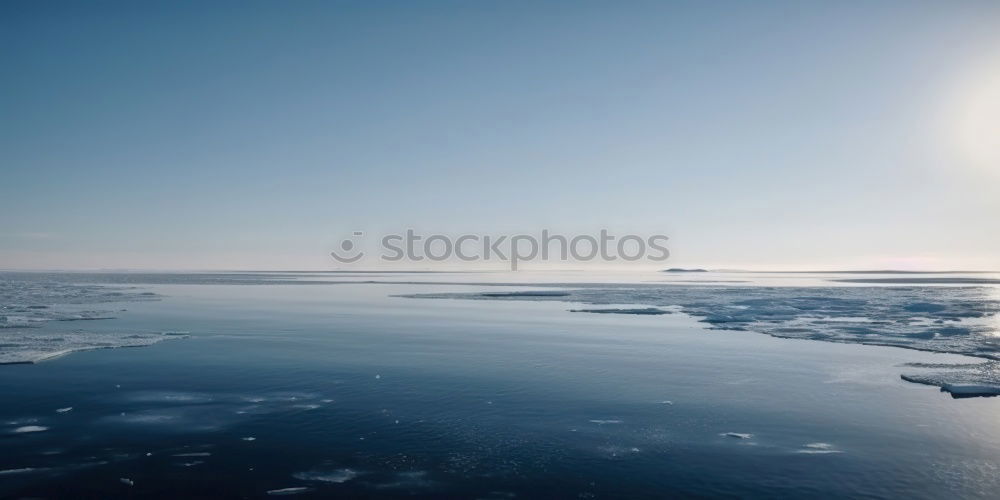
(347, 391)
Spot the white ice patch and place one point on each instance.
(28, 301)
(334, 476)
(30, 428)
(818, 449)
(957, 320)
(22, 470)
(33, 346)
(288, 491)
(960, 380)
(737, 435)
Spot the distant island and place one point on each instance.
(682, 270)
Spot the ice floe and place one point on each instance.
(961, 380)
(651, 311)
(818, 449)
(534, 293)
(33, 346)
(28, 302)
(737, 435)
(944, 319)
(22, 470)
(29, 428)
(288, 491)
(327, 476)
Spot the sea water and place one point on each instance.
(271, 387)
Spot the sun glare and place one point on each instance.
(975, 123)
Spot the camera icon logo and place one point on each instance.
(348, 254)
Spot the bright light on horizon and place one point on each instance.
(975, 117)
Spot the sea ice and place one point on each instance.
(652, 311)
(818, 449)
(22, 470)
(956, 320)
(334, 476)
(30, 428)
(288, 491)
(525, 294)
(961, 380)
(29, 301)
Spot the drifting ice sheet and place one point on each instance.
(956, 320)
(28, 304)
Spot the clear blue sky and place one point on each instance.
(793, 134)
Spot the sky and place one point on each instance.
(258, 135)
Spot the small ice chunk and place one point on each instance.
(737, 435)
(287, 491)
(335, 476)
(970, 390)
(127, 481)
(30, 428)
(603, 422)
(819, 446)
(64, 410)
(23, 470)
(249, 438)
(818, 449)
